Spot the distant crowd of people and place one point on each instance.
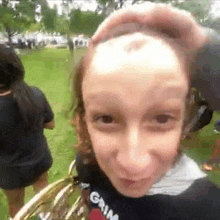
(30, 43)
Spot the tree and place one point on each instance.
(49, 18)
(108, 6)
(84, 22)
(16, 18)
(213, 24)
(75, 21)
(199, 8)
(63, 25)
(161, 1)
(35, 27)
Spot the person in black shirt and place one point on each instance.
(24, 113)
(71, 45)
(131, 89)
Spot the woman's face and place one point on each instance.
(134, 100)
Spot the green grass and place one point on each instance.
(48, 69)
(200, 146)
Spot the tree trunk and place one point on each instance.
(121, 3)
(5, 3)
(8, 30)
(10, 35)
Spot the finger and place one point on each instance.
(125, 28)
(166, 19)
(116, 21)
(171, 17)
(135, 13)
(175, 23)
(189, 32)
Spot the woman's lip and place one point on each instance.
(128, 182)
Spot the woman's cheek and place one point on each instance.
(165, 144)
(103, 144)
(171, 144)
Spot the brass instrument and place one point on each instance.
(52, 203)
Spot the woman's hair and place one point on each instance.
(12, 78)
(84, 145)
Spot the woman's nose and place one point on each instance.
(134, 156)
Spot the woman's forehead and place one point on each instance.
(135, 51)
(151, 67)
(123, 87)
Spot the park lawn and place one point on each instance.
(200, 146)
(49, 70)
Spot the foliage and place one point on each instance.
(62, 25)
(213, 23)
(107, 6)
(199, 8)
(48, 17)
(35, 27)
(75, 22)
(18, 18)
(22, 16)
(84, 22)
(162, 1)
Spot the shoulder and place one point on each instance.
(39, 97)
(37, 91)
(39, 94)
(201, 199)
(203, 189)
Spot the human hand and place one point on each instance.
(176, 23)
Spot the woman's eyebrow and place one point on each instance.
(103, 98)
(159, 110)
(173, 90)
(179, 92)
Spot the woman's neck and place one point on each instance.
(5, 93)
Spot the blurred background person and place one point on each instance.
(24, 113)
(71, 46)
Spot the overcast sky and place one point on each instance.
(91, 5)
(216, 8)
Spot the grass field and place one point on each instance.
(49, 70)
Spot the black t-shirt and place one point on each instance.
(200, 201)
(19, 144)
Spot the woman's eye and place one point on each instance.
(162, 119)
(106, 119)
(163, 122)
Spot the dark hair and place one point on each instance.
(12, 78)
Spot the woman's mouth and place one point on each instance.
(134, 183)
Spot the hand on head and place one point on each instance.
(175, 23)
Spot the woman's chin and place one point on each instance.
(134, 189)
(137, 193)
